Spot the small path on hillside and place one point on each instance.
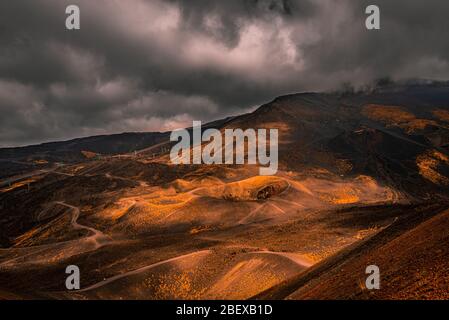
(96, 235)
(295, 257)
(37, 254)
(141, 182)
(143, 269)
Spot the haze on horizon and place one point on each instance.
(157, 65)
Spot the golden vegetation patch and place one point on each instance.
(40, 161)
(182, 185)
(397, 117)
(428, 166)
(142, 210)
(441, 114)
(88, 154)
(387, 114)
(367, 181)
(18, 185)
(246, 279)
(177, 286)
(362, 189)
(313, 257)
(344, 195)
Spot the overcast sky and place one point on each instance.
(150, 65)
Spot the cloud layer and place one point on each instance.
(149, 65)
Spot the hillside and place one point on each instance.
(411, 255)
(362, 176)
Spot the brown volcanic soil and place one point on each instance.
(360, 178)
(214, 238)
(412, 255)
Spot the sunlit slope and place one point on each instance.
(413, 266)
(353, 168)
(411, 255)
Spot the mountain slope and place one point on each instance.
(411, 255)
(357, 172)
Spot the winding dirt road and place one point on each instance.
(64, 249)
(96, 235)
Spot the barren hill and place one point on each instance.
(364, 178)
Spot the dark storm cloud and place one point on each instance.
(144, 65)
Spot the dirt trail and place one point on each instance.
(141, 182)
(31, 174)
(96, 235)
(143, 269)
(295, 257)
(246, 218)
(45, 253)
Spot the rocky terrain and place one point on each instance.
(363, 179)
